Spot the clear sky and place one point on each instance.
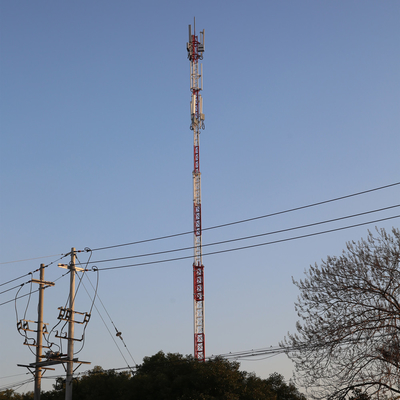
(301, 100)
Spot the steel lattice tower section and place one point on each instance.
(195, 48)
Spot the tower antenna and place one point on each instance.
(195, 48)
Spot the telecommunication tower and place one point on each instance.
(195, 48)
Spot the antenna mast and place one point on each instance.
(195, 48)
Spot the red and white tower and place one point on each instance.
(195, 48)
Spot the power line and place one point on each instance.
(281, 349)
(38, 258)
(268, 352)
(118, 333)
(8, 290)
(246, 237)
(12, 376)
(104, 322)
(253, 245)
(29, 273)
(33, 291)
(15, 279)
(17, 385)
(22, 276)
(30, 259)
(20, 297)
(228, 250)
(251, 219)
(218, 226)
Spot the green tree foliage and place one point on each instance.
(176, 377)
(99, 384)
(173, 376)
(10, 394)
(281, 389)
(96, 384)
(349, 337)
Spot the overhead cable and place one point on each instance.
(247, 237)
(253, 218)
(219, 226)
(221, 251)
(15, 279)
(33, 291)
(104, 322)
(30, 259)
(253, 245)
(118, 333)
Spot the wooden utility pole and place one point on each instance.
(39, 338)
(70, 363)
(66, 314)
(24, 326)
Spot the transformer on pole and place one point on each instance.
(195, 48)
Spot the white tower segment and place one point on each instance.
(195, 48)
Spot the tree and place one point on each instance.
(95, 384)
(357, 394)
(349, 338)
(175, 377)
(282, 390)
(100, 384)
(10, 394)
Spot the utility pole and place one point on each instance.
(70, 355)
(43, 362)
(39, 337)
(23, 325)
(68, 314)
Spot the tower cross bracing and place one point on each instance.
(195, 48)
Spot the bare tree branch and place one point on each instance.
(349, 334)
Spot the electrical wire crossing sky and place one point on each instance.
(300, 156)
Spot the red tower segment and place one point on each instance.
(195, 48)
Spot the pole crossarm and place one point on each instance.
(55, 361)
(47, 283)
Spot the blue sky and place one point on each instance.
(301, 101)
